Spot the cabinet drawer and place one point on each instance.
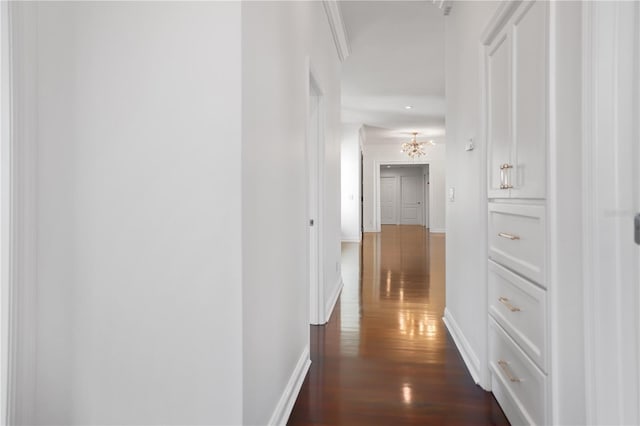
(515, 378)
(521, 309)
(517, 238)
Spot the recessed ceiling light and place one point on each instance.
(408, 107)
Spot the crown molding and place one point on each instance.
(338, 31)
(502, 15)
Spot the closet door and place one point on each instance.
(411, 193)
(388, 200)
(528, 155)
(499, 111)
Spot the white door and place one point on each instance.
(528, 154)
(411, 191)
(612, 201)
(388, 195)
(499, 113)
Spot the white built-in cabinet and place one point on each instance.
(516, 105)
(516, 62)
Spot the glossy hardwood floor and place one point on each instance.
(385, 357)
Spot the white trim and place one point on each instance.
(351, 240)
(290, 394)
(498, 20)
(362, 137)
(637, 175)
(316, 296)
(19, 195)
(482, 146)
(6, 249)
(338, 31)
(464, 347)
(437, 230)
(588, 202)
(551, 218)
(331, 302)
(608, 373)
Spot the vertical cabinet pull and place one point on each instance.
(505, 368)
(504, 176)
(508, 304)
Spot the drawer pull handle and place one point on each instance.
(508, 236)
(507, 372)
(506, 166)
(506, 303)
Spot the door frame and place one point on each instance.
(18, 212)
(376, 186)
(611, 321)
(7, 301)
(426, 195)
(317, 313)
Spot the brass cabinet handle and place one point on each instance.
(504, 177)
(508, 304)
(508, 236)
(505, 368)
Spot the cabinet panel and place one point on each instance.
(520, 308)
(517, 238)
(529, 99)
(517, 97)
(514, 374)
(499, 111)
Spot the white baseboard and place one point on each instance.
(464, 347)
(351, 240)
(282, 412)
(438, 230)
(331, 302)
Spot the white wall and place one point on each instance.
(277, 38)
(350, 187)
(139, 315)
(376, 154)
(171, 192)
(467, 215)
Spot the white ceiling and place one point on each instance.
(397, 59)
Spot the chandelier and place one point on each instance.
(413, 148)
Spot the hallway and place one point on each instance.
(385, 356)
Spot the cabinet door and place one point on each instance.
(499, 112)
(530, 101)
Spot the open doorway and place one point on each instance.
(315, 146)
(404, 195)
(405, 188)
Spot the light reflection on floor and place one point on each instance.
(384, 357)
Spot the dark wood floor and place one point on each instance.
(385, 357)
